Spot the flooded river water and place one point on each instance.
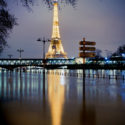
(58, 97)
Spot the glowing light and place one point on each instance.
(55, 31)
(56, 94)
(123, 54)
(55, 49)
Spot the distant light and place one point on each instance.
(123, 54)
(72, 58)
(106, 58)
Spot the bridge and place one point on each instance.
(10, 64)
(50, 63)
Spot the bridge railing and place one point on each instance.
(6, 62)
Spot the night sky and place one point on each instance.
(102, 21)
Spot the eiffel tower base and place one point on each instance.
(56, 50)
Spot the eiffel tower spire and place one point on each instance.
(55, 30)
(55, 49)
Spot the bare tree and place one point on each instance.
(28, 3)
(7, 21)
(120, 50)
(98, 53)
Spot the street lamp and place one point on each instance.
(20, 51)
(44, 41)
(10, 56)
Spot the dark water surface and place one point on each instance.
(57, 97)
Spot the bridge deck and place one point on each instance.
(55, 63)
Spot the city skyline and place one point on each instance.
(100, 21)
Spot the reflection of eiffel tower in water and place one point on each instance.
(55, 49)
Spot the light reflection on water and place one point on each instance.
(56, 94)
(56, 98)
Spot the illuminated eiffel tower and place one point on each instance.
(55, 49)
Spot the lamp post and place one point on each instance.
(44, 41)
(20, 51)
(10, 56)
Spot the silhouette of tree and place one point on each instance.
(98, 54)
(28, 3)
(7, 21)
(120, 51)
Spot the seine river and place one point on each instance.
(59, 97)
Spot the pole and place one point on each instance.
(84, 50)
(84, 81)
(44, 41)
(10, 56)
(20, 51)
(44, 48)
(44, 51)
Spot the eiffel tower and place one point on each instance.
(55, 49)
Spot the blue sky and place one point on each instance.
(101, 21)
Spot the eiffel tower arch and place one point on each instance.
(56, 48)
